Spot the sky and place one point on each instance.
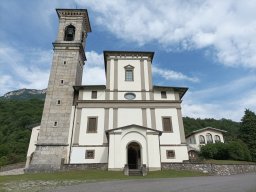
(207, 46)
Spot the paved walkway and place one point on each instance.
(234, 183)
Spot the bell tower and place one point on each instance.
(67, 69)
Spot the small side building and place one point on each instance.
(200, 137)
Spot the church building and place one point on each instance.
(127, 123)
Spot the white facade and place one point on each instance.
(203, 136)
(32, 144)
(121, 123)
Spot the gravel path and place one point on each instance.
(13, 172)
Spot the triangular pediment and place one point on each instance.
(129, 67)
(132, 126)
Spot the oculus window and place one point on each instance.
(129, 96)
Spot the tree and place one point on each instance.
(247, 132)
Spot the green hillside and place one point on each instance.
(16, 116)
(232, 127)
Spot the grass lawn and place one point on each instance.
(28, 182)
(221, 162)
(96, 175)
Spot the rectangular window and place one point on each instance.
(163, 95)
(94, 94)
(170, 154)
(128, 75)
(167, 124)
(92, 125)
(89, 154)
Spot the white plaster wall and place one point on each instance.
(72, 119)
(111, 65)
(87, 94)
(129, 85)
(128, 116)
(170, 95)
(148, 114)
(181, 153)
(166, 137)
(92, 138)
(78, 155)
(146, 75)
(115, 155)
(153, 152)
(32, 144)
(33, 140)
(110, 126)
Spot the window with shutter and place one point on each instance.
(92, 125)
(167, 124)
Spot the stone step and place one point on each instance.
(135, 172)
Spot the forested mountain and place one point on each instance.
(232, 127)
(18, 113)
(16, 116)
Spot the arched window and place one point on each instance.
(209, 138)
(217, 138)
(70, 33)
(201, 139)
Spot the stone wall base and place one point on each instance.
(212, 169)
(96, 166)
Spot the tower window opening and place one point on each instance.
(69, 33)
(55, 124)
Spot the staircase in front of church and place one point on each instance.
(135, 172)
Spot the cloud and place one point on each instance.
(23, 68)
(30, 68)
(225, 101)
(172, 75)
(227, 28)
(94, 72)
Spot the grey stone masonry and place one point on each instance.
(66, 72)
(212, 169)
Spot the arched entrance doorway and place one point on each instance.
(134, 155)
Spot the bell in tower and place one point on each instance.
(70, 33)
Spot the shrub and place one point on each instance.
(234, 150)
